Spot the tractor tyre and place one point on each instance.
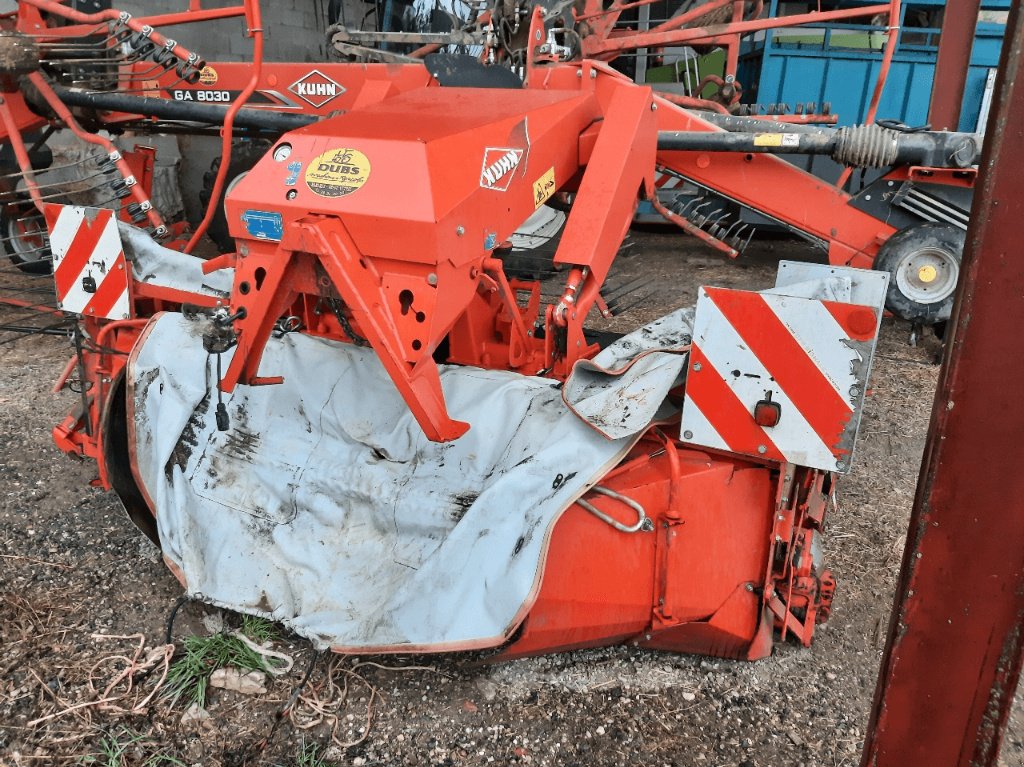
(25, 240)
(923, 262)
(532, 256)
(244, 155)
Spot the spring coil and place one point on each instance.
(866, 146)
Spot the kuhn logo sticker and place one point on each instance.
(338, 172)
(316, 88)
(499, 166)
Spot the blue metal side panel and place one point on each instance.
(846, 78)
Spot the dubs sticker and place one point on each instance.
(263, 225)
(543, 188)
(208, 75)
(338, 172)
(499, 166)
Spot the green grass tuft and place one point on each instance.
(189, 677)
(114, 746)
(260, 630)
(309, 756)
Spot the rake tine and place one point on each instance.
(624, 290)
(620, 310)
(753, 231)
(736, 239)
(698, 218)
(727, 235)
(685, 211)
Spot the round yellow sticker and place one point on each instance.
(338, 172)
(208, 76)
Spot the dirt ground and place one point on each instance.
(81, 590)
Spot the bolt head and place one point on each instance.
(431, 279)
(696, 367)
(460, 230)
(687, 434)
(762, 449)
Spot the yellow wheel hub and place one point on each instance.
(927, 273)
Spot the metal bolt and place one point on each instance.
(579, 74)
(687, 434)
(647, 637)
(460, 230)
(867, 197)
(696, 367)
(431, 279)
(654, 107)
(593, 74)
(762, 449)
(782, 517)
(840, 464)
(749, 587)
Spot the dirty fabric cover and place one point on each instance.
(154, 264)
(650, 359)
(325, 507)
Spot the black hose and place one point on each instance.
(167, 109)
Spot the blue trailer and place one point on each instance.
(838, 64)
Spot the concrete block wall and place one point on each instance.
(295, 30)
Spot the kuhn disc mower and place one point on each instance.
(359, 424)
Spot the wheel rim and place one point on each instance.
(24, 236)
(928, 276)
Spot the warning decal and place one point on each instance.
(338, 172)
(543, 188)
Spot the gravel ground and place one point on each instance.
(81, 590)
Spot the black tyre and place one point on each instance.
(25, 239)
(534, 244)
(923, 262)
(244, 155)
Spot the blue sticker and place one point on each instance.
(491, 241)
(294, 169)
(263, 225)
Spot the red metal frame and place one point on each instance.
(956, 637)
(954, 60)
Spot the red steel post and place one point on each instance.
(955, 45)
(953, 656)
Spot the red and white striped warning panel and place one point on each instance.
(781, 377)
(89, 266)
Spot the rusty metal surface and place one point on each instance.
(955, 46)
(953, 656)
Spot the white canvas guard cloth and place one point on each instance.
(650, 358)
(325, 507)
